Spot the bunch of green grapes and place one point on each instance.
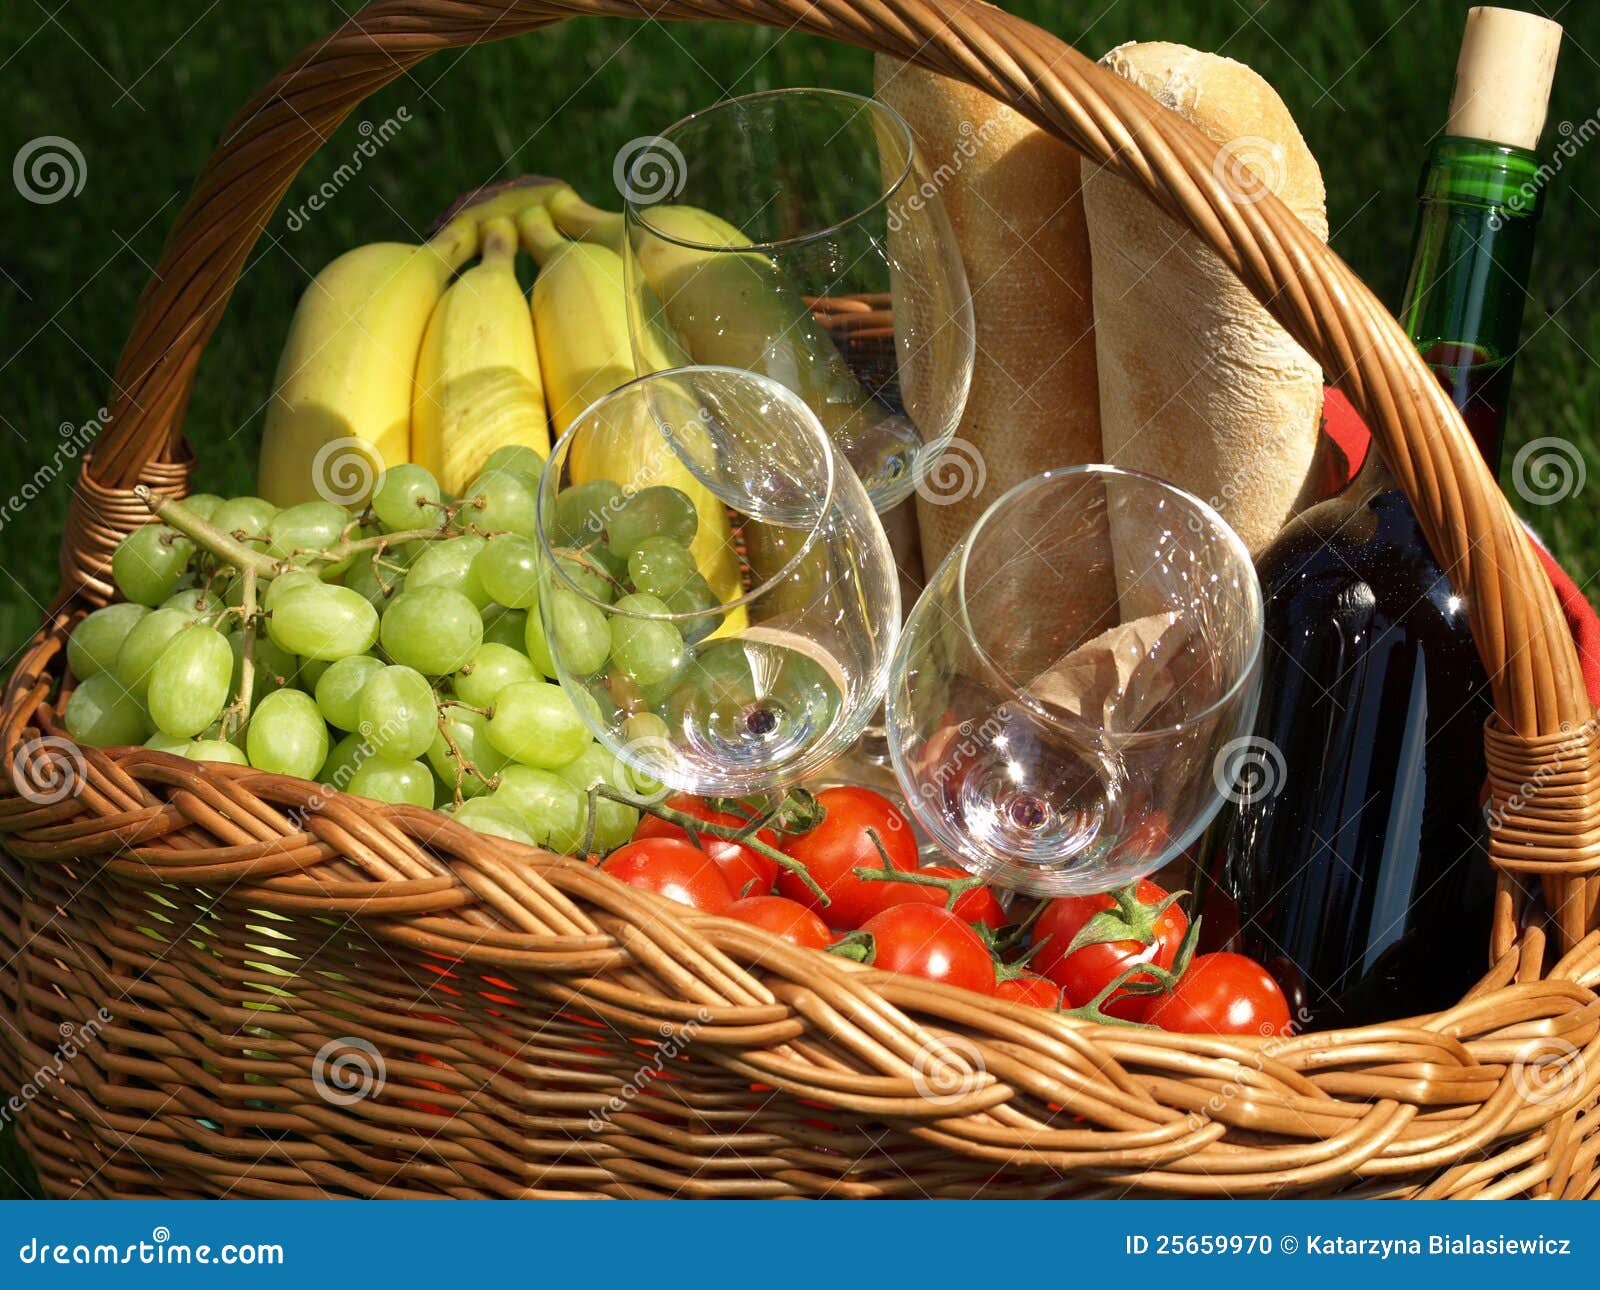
(387, 653)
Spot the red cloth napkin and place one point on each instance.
(1348, 433)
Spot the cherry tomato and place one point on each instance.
(785, 918)
(930, 942)
(1087, 971)
(840, 845)
(1222, 994)
(1035, 990)
(673, 869)
(746, 870)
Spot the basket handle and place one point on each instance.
(1515, 618)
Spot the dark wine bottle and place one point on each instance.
(1354, 866)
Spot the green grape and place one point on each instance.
(203, 505)
(216, 750)
(342, 761)
(501, 501)
(582, 513)
(363, 578)
(195, 603)
(648, 650)
(470, 731)
(287, 735)
(323, 621)
(514, 456)
(581, 629)
(149, 561)
(274, 668)
(614, 822)
(485, 816)
(398, 713)
(435, 630)
(506, 626)
(537, 647)
(536, 724)
(490, 670)
(168, 744)
(339, 689)
(402, 499)
(549, 807)
(102, 714)
(308, 527)
(660, 567)
(96, 641)
(508, 569)
(452, 564)
(402, 782)
(189, 682)
(585, 571)
(308, 672)
(695, 597)
(246, 518)
(285, 582)
(657, 511)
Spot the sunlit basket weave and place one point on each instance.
(220, 982)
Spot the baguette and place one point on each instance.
(1198, 383)
(1012, 194)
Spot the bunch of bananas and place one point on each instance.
(399, 354)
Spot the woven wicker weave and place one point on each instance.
(197, 961)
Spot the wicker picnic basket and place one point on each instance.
(215, 981)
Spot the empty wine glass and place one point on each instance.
(711, 674)
(1069, 678)
(797, 233)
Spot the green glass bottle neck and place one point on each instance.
(1471, 254)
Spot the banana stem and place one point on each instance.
(457, 241)
(499, 238)
(540, 237)
(577, 218)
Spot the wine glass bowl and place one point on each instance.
(707, 685)
(1070, 677)
(797, 233)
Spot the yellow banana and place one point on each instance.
(580, 316)
(733, 310)
(346, 370)
(478, 385)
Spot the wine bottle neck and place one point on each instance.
(1471, 254)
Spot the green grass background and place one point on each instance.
(144, 87)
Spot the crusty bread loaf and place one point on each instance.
(1011, 192)
(1198, 384)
